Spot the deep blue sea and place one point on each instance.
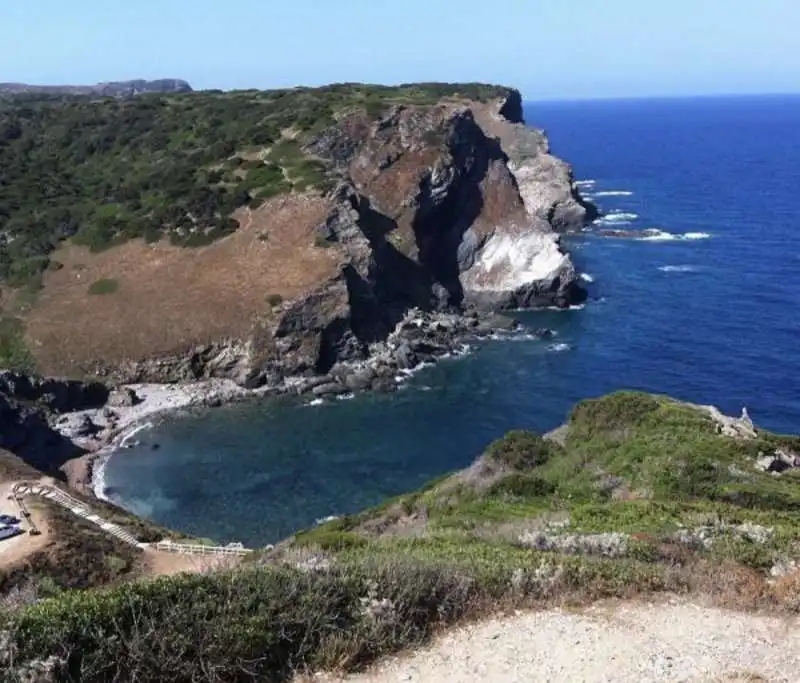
(707, 313)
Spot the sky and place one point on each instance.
(549, 49)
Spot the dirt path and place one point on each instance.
(14, 550)
(623, 643)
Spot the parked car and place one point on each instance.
(9, 532)
(8, 519)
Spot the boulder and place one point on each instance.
(361, 380)
(312, 383)
(332, 388)
(384, 385)
(496, 322)
(86, 427)
(405, 357)
(777, 462)
(124, 397)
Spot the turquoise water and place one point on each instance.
(706, 313)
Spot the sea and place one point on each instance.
(702, 307)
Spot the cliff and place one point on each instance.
(352, 208)
(110, 89)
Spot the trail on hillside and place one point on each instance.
(620, 642)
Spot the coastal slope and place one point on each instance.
(319, 222)
(635, 496)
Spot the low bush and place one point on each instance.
(248, 625)
(520, 450)
(14, 353)
(103, 286)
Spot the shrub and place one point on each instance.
(520, 450)
(258, 624)
(322, 241)
(616, 411)
(14, 353)
(103, 286)
(274, 300)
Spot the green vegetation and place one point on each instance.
(644, 496)
(85, 556)
(100, 170)
(644, 466)
(14, 354)
(104, 286)
(520, 450)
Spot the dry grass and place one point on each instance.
(787, 591)
(171, 299)
(159, 563)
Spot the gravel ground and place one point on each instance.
(611, 642)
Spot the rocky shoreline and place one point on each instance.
(420, 339)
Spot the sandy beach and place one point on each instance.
(100, 431)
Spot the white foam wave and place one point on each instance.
(677, 269)
(316, 402)
(574, 307)
(123, 442)
(614, 193)
(99, 465)
(325, 520)
(663, 236)
(99, 477)
(586, 277)
(585, 183)
(559, 348)
(514, 336)
(345, 397)
(618, 217)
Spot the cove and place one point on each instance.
(704, 311)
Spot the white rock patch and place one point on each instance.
(508, 262)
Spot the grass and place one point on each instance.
(644, 466)
(103, 286)
(14, 353)
(337, 596)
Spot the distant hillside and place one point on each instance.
(111, 89)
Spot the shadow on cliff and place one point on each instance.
(27, 407)
(439, 226)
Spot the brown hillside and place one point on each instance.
(169, 299)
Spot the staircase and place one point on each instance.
(81, 509)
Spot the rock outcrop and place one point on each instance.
(28, 405)
(440, 208)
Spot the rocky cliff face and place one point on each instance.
(27, 405)
(111, 89)
(437, 208)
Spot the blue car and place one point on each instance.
(8, 519)
(9, 532)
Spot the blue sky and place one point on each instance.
(550, 49)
